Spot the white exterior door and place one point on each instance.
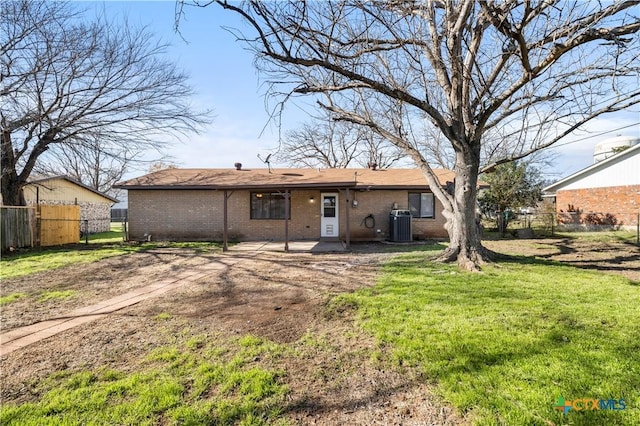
(329, 214)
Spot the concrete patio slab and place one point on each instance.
(294, 246)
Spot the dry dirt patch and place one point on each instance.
(610, 257)
(90, 283)
(282, 297)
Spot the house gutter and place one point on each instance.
(275, 186)
(337, 185)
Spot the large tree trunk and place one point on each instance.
(465, 245)
(12, 194)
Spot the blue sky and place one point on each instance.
(225, 80)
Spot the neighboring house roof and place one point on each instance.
(595, 176)
(285, 178)
(42, 181)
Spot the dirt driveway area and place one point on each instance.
(278, 296)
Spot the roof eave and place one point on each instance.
(329, 185)
(75, 182)
(243, 186)
(595, 166)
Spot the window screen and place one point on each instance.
(266, 205)
(422, 204)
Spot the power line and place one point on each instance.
(597, 134)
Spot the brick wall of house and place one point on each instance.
(304, 223)
(174, 215)
(622, 203)
(379, 204)
(198, 215)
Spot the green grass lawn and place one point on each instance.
(101, 246)
(12, 297)
(31, 262)
(199, 381)
(503, 345)
(621, 235)
(600, 236)
(115, 235)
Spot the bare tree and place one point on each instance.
(156, 166)
(336, 144)
(90, 162)
(378, 152)
(72, 87)
(499, 79)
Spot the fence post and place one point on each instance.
(38, 227)
(86, 231)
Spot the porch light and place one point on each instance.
(311, 199)
(258, 195)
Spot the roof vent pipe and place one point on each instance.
(238, 166)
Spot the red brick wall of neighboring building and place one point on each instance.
(618, 205)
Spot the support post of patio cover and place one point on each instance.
(348, 228)
(287, 195)
(225, 224)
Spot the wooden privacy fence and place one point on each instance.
(59, 225)
(42, 226)
(17, 227)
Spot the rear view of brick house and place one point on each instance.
(298, 204)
